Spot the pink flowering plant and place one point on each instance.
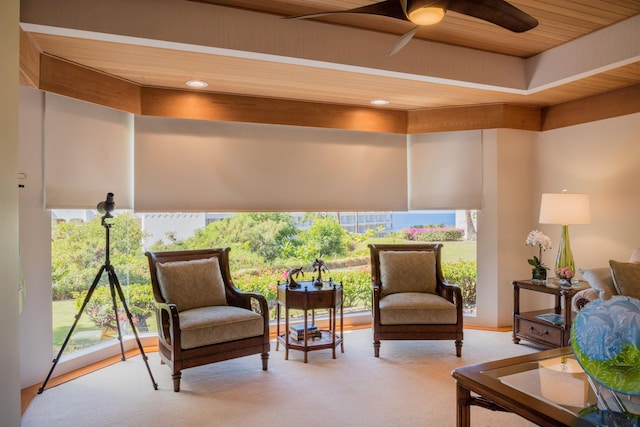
(542, 242)
(565, 273)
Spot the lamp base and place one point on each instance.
(565, 256)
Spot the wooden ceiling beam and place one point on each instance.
(610, 104)
(29, 60)
(473, 117)
(237, 108)
(59, 76)
(75, 81)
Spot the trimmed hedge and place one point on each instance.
(434, 234)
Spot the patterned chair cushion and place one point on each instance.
(192, 284)
(626, 278)
(417, 308)
(407, 271)
(223, 323)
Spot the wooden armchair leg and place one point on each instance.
(376, 348)
(458, 348)
(265, 361)
(176, 381)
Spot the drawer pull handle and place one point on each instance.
(540, 334)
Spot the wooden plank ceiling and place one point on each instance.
(147, 67)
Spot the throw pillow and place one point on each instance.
(626, 278)
(600, 279)
(635, 255)
(407, 271)
(192, 284)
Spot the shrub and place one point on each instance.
(463, 274)
(434, 234)
(99, 308)
(356, 292)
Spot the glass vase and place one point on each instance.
(565, 256)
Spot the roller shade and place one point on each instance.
(88, 153)
(192, 165)
(445, 170)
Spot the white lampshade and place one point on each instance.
(564, 208)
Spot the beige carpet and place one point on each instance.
(409, 385)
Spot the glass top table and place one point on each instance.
(549, 388)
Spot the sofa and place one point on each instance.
(619, 278)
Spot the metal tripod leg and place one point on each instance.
(75, 322)
(115, 284)
(113, 281)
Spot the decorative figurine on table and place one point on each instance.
(291, 277)
(319, 265)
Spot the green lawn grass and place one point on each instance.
(451, 251)
(64, 313)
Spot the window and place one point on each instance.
(264, 247)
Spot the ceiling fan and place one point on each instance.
(429, 12)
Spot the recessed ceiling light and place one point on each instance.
(197, 84)
(379, 101)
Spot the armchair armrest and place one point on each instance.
(168, 324)
(451, 292)
(375, 301)
(375, 290)
(584, 297)
(251, 301)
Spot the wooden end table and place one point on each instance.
(309, 297)
(532, 326)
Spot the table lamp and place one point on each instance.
(564, 209)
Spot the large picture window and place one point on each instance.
(264, 246)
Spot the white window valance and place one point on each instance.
(445, 170)
(87, 153)
(192, 165)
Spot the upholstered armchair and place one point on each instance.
(619, 278)
(411, 299)
(202, 317)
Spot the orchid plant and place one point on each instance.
(542, 242)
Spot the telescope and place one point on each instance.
(105, 208)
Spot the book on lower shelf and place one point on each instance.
(556, 319)
(297, 332)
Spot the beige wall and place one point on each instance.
(9, 349)
(505, 217)
(603, 159)
(36, 341)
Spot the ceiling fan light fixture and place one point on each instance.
(427, 15)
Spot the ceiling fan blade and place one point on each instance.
(388, 8)
(403, 4)
(498, 12)
(401, 42)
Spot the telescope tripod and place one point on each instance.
(114, 285)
